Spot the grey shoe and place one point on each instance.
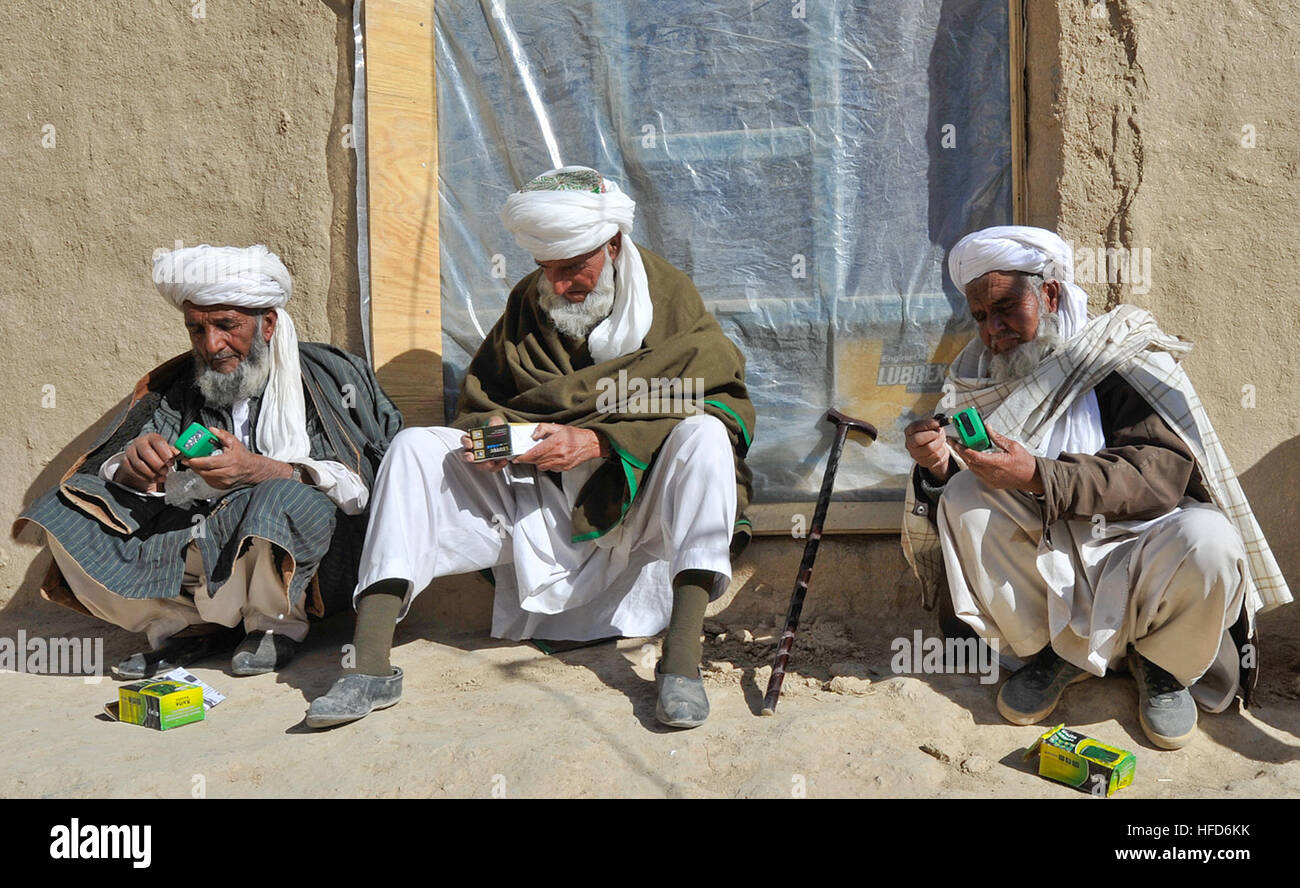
(682, 701)
(1166, 709)
(1032, 692)
(354, 696)
(183, 651)
(262, 652)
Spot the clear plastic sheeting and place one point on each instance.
(808, 164)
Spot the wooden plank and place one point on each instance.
(402, 158)
(778, 519)
(1019, 185)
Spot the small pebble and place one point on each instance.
(848, 686)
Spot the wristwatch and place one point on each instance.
(297, 472)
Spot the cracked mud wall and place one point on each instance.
(1171, 128)
(128, 124)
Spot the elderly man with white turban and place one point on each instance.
(1106, 526)
(619, 520)
(247, 541)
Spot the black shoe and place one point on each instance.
(1032, 692)
(176, 652)
(262, 652)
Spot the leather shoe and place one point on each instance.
(354, 696)
(262, 652)
(682, 701)
(182, 651)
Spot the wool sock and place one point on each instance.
(682, 647)
(377, 608)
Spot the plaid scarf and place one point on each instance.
(1125, 340)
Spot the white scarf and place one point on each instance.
(251, 277)
(563, 224)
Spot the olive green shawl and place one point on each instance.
(526, 371)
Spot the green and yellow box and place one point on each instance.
(160, 704)
(1083, 762)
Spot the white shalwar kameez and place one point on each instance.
(434, 515)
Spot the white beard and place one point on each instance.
(1024, 358)
(577, 319)
(245, 381)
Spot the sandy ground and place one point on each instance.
(481, 717)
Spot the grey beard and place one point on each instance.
(245, 381)
(1024, 358)
(576, 319)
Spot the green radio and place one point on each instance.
(969, 427)
(196, 441)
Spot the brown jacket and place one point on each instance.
(1144, 470)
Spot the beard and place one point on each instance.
(1020, 361)
(576, 319)
(248, 379)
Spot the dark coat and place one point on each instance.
(134, 545)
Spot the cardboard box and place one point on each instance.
(159, 704)
(502, 441)
(1082, 762)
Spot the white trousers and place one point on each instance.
(434, 515)
(1171, 586)
(254, 593)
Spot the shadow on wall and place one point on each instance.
(26, 609)
(954, 95)
(1272, 486)
(411, 381)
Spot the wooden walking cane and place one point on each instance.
(842, 426)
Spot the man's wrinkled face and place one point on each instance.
(575, 278)
(222, 335)
(1006, 309)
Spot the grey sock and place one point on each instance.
(377, 608)
(682, 646)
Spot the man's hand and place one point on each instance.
(563, 447)
(236, 465)
(1011, 467)
(488, 465)
(928, 446)
(146, 463)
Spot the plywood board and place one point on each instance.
(402, 158)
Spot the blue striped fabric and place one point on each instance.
(139, 552)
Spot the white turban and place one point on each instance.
(561, 224)
(1041, 252)
(251, 277)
